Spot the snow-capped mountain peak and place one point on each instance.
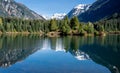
(80, 6)
(58, 16)
(78, 10)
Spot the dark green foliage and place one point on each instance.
(2, 28)
(74, 23)
(64, 26)
(21, 25)
(53, 25)
(99, 27)
(81, 29)
(89, 28)
(110, 24)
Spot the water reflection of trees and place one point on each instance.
(17, 47)
(102, 50)
(105, 51)
(70, 44)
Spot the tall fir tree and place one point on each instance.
(53, 25)
(74, 23)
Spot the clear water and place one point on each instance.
(70, 54)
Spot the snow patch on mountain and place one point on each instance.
(58, 16)
(11, 8)
(79, 9)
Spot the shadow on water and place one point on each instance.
(102, 50)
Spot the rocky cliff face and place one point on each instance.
(10, 8)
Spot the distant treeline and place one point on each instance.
(65, 26)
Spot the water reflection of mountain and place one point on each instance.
(17, 48)
(104, 56)
(68, 44)
(102, 50)
(107, 53)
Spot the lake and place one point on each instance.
(68, 54)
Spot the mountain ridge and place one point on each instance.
(58, 16)
(99, 10)
(10, 8)
(79, 9)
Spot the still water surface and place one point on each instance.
(70, 54)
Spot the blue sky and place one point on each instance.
(49, 7)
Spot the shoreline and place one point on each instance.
(58, 34)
